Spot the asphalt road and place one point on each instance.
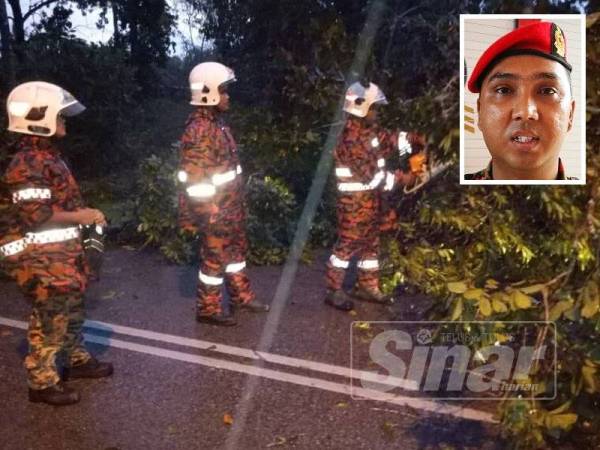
(183, 385)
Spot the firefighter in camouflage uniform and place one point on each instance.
(40, 242)
(211, 201)
(361, 176)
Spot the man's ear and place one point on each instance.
(571, 115)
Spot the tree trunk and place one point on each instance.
(5, 48)
(116, 32)
(18, 21)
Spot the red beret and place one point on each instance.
(543, 39)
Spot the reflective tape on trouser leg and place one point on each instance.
(368, 264)
(338, 263)
(235, 267)
(210, 281)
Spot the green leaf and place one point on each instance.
(457, 310)
(457, 287)
(474, 294)
(490, 283)
(522, 301)
(591, 304)
(559, 309)
(533, 288)
(561, 421)
(499, 306)
(485, 307)
(589, 379)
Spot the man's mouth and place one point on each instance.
(525, 139)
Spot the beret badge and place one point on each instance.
(558, 42)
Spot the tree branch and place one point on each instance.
(36, 8)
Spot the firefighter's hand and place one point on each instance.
(90, 216)
(405, 178)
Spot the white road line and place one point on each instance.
(368, 394)
(296, 363)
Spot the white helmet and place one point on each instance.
(360, 98)
(33, 107)
(205, 80)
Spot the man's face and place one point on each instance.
(525, 110)
(371, 116)
(223, 104)
(61, 127)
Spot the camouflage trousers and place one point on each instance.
(223, 251)
(55, 289)
(358, 236)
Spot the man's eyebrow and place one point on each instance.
(513, 76)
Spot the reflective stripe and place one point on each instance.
(339, 263)
(201, 190)
(403, 144)
(31, 193)
(343, 172)
(378, 178)
(52, 236)
(182, 176)
(353, 187)
(13, 248)
(381, 163)
(39, 238)
(95, 244)
(390, 179)
(357, 187)
(206, 190)
(212, 281)
(375, 142)
(235, 267)
(368, 264)
(221, 178)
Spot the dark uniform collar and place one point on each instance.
(358, 123)
(488, 173)
(36, 143)
(205, 112)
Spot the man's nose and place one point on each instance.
(525, 108)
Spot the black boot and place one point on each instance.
(57, 395)
(254, 306)
(339, 300)
(370, 295)
(224, 320)
(91, 369)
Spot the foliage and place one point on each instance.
(519, 253)
(271, 219)
(156, 208)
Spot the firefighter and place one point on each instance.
(211, 201)
(43, 246)
(361, 176)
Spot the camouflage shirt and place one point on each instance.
(362, 149)
(9, 223)
(40, 183)
(210, 163)
(487, 173)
